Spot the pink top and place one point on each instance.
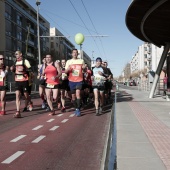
(51, 71)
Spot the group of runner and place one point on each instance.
(71, 79)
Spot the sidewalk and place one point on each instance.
(143, 131)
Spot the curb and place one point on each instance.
(107, 162)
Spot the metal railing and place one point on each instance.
(146, 86)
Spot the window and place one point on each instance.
(19, 33)
(19, 19)
(7, 15)
(8, 27)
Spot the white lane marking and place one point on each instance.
(60, 115)
(64, 121)
(50, 120)
(13, 157)
(18, 138)
(54, 128)
(38, 127)
(38, 139)
(71, 115)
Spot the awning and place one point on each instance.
(149, 20)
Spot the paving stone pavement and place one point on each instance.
(143, 131)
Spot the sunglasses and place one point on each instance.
(16, 54)
(1, 58)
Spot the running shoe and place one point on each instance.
(100, 110)
(17, 114)
(43, 105)
(25, 109)
(52, 113)
(2, 113)
(78, 113)
(97, 112)
(30, 107)
(63, 109)
(47, 108)
(75, 112)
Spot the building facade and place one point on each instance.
(18, 31)
(146, 58)
(60, 47)
(85, 57)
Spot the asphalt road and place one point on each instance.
(38, 141)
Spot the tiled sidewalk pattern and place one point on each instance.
(157, 132)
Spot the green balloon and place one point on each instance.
(79, 38)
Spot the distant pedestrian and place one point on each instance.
(165, 81)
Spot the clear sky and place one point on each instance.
(94, 17)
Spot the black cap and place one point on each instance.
(98, 58)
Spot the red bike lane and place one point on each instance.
(62, 141)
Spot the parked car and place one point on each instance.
(132, 83)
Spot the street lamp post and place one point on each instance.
(38, 31)
(92, 57)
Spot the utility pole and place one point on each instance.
(38, 31)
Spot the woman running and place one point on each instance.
(52, 73)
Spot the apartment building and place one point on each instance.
(146, 58)
(60, 46)
(134, 65)
(18, 31)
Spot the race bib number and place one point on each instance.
(75, 72)
(1, 81)
(19, 77)
(98, 78)
(50, 85)
(64, 75)
(1, 78)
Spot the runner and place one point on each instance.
(64, 86)
(108, 82)
(30, 82)
(41, 79)
(88, 91)
(98, 79)
(3, 84)
(74, 68)
(52, 72)
(21, 69)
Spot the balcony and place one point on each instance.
(149, 58)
